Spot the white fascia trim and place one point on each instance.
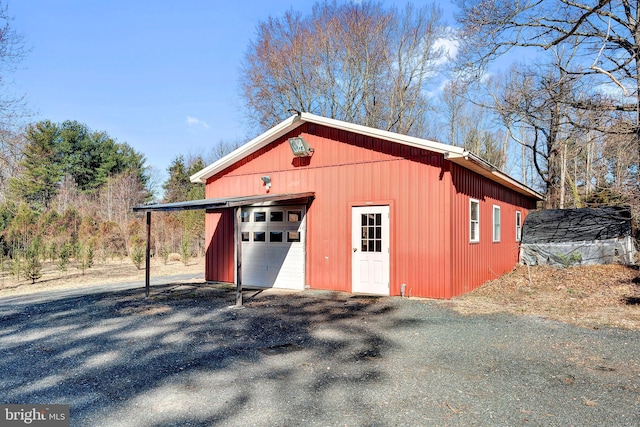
(246, 149)
(298, 119)
(468, 159)
(456, 154)
(503, 177)
(383, 134)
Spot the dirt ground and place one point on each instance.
(110, 270)
(589, 296)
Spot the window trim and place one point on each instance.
(474, 224)
(518, 226)
(496, 235)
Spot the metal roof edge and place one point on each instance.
(250, 147)
(222, 202)
(474, 163)
(412, 141)
(453, 153)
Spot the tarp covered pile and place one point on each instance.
(565, 237)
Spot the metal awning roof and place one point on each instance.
(222, 203)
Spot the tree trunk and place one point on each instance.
(563, 175)
(553, 173)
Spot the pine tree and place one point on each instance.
(137, 256)
(33, 266)
(185, 249)
(176, 187)
(42, 173)
(65, 257)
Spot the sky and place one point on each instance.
(162, 76)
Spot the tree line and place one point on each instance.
(563, 117)
(68, 198)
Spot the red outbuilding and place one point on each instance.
(324, 204)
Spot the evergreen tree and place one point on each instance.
(33, 266)
(42, 172)
(179, 187)
(70, 150)
(137, 256)
(90, 158)
(176, 187)
(185, 249)
(86, 256)
(65, 257)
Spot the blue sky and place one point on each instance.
(161, 76)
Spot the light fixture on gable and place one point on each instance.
(267, 181)
(299, 147)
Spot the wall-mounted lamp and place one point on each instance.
(299, 147)
(267, 181)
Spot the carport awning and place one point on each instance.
(216, 204)
(222, 203)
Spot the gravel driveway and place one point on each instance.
(186, 357)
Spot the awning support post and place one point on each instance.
(147, 265)
(237, 221)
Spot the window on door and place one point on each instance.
(371, 232)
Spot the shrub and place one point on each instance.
(137, 256)
(185, 249)
(86, 256)
(64, 257)
(33, 267)
(164, 253)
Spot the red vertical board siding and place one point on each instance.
(428, 199)
(219, 258)
(476, 263)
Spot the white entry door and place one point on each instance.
(370, 250)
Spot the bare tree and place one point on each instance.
(471, 125)
(354, 61)
(221, 149)
(119, 195)
(453, 102)
(533, 98)
(12, 51)
(11, 149)
(605, 34)
(12, 107)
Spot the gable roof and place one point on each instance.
(454, 154)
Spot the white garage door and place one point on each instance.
(273, 247)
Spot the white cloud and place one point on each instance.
(196, 122)
(449, 49)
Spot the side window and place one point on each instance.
(474, 221)
(518, 226)
(496, 223)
